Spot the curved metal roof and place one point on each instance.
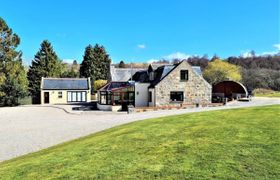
(229, 84)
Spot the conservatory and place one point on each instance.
(116, 96)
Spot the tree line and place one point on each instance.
(254, 72)
(16, 81)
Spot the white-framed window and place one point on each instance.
(69, 96)
(79, 96)
(76, 96)
(83, 96)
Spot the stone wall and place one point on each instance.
(196, 89)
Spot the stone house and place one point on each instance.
(159, 85)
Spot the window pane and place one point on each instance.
(131, 96)
(109, 98)
(184, 74)
(59, 94)
(150, 96)
(151, 76)
(103, 99)
(74, 96)
(79, 96)
(83, 96)
(177, 96)
(69, 96)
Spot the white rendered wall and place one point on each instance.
(141, 94)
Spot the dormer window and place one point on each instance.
(151, 76)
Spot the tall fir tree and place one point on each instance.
(13, 82)
(45, 64)
(96, 63)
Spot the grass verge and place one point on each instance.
(266, 93)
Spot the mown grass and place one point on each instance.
(229, 144)
(274, 94)
(266, 93)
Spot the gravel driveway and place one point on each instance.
(28, 129)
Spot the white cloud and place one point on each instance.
(141, 46)
(277, 46)
(152, 60)
(69, 61)
(26, 60)
(170, 57)
(176, 55)
(246, 53)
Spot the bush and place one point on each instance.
(98, 84)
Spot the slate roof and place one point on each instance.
(122, 74)
(141, 76)
(65, 84)
(160, 71)
(197, 70)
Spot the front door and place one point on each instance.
(46, 97)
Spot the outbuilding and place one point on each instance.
(229, 89)
(65, 90)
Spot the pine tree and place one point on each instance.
(45, 64)
(86, 69)
(13, 82)
(96, 63)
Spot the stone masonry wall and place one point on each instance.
(196, 89)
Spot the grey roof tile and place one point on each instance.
(197, 69)
(122, 74)
(65, 84)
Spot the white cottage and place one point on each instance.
(65, 90)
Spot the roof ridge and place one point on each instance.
(64, 78)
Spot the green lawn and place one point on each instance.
(273, 94)
(228, 144)
(266, 93)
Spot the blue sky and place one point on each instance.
(139, 31)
